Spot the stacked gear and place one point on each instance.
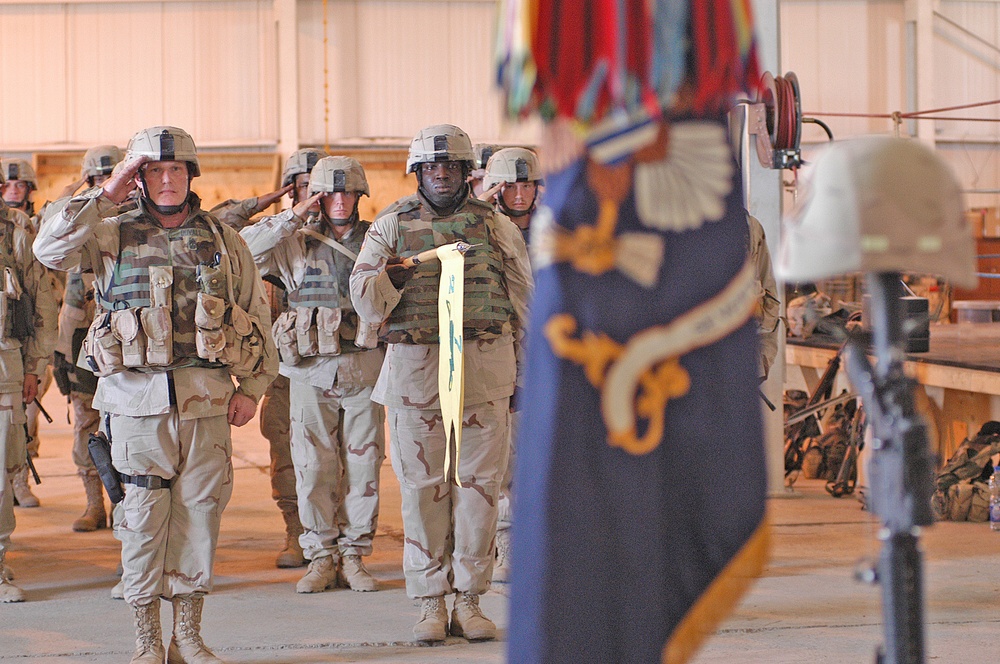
(100, 160)
(511, 165)
(440, 143)
(299, 162)
(164, 144)
(961, 489)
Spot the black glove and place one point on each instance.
(398, 274)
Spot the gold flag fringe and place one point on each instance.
(720, 598)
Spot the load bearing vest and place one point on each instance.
(488, 312)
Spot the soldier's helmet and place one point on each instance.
(513, 165)
(879, 204)
(443, 142)
(165, 144)
(483, 152)
(18, 169)
(331, 174)
(299, 162)
(101, 160)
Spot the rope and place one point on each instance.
(918, 115)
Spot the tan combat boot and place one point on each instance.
(22, 492)
(322, 574)
(94, 517)
(148, 637)
(467, 619)
(433, 623)
(354, 575)
(291, 555)
(186, 646)
(501, 568)
(9, 593)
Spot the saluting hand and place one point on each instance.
(301, 209)
(121, 184)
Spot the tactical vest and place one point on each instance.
(488, 312)
(326, 286)
(7, 262)
(192, 255)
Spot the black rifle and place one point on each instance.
(31, 464)
(901, 471)
(41, 409)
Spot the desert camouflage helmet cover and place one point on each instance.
(483, 152)
(513, 165)
(443, 142)
(332, 174)
(299, 162)
(101, 160)
(165, 144)
(879, 204)
(18, 169)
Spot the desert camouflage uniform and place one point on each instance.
(337, 439)
(449, 529)
(17, 359)
(166, 421)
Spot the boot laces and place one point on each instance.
(470, 602)
(431, 607)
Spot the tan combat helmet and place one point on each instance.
(165, 144)
(299, 162)
(513, 165)
(483, 152)
(18, 169)
(443, 142)
(101, 160)
(331, 174)
(879, 204)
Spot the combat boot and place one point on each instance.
(118, 590)
(22, 492)
(354, 575)
(148, 637)
(501, 568)
(94, 517)
(433, 623)
(9, 593)
(291, 555)
(322, 574)
(186, 646)
(467, 619)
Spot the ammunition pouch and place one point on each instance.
(209, 336)
(16, 306)
(101, 348)
(127, 330)
(100, 453)
(60, 373)
(304, 332)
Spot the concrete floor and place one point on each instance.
(806, 609)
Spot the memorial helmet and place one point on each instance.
(443, 142)
(513, 165)
(331, 174)
(878, 204)
(101, 160)
(165, 144)
(18, 169)
(299, 162)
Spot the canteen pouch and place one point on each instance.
(305, 332)
(156, 319)
(327, 330)
(126, 328)
(283, 332)
(244, 343)
(101, 348)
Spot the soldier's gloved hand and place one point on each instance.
(398, 273)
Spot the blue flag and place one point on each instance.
(640, 481)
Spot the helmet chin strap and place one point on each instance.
(165, 210)
(340, 223)
(516, 213)
(450, 205)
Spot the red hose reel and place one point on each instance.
(779, 109)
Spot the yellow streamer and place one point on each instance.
(451, 362)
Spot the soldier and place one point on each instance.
(75, 317)
(449, 528)
(181, 313)
(26, 341)
(19, 186)
(512, 183)
(331, 362)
